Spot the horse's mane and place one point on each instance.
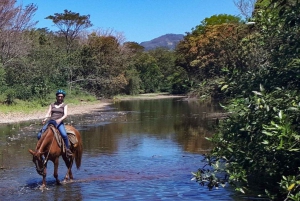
(39, 143)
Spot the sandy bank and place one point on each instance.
(83, 108)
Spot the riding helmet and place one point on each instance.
(60, 91)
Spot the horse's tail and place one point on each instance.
(78, 150)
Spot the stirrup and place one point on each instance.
(69, 152)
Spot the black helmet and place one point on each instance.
(60, 91)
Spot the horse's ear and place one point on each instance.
(32, 152)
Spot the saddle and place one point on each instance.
(71, 137)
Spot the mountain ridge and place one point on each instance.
(168, 41)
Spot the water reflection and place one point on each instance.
(185, 122)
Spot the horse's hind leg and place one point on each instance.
(56, 162)
(69, 174)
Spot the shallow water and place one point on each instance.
(133, 150)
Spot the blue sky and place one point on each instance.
(137, 20)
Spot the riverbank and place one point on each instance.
(82, 108)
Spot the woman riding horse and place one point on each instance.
(48, 148)
(57, 112)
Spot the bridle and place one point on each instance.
(39, 170)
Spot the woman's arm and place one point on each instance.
(48, 114)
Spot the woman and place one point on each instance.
(57, 112)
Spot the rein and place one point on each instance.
(41, 170)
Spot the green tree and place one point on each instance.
(134, 51)
(103, 65)
(209, 52)
(133, 47)
(150, 74)
(70, 25)
(216, 20)
(165, 60)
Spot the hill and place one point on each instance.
(168, 41)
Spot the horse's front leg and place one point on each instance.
(55, 174)
(44, 178)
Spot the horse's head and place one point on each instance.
(38, 161)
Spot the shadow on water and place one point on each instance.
(133, 150)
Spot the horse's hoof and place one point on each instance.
(43, 187)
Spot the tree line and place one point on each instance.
(36, 61)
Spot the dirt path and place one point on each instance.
(83, 108)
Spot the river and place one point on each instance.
(133, 150)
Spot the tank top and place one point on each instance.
(57, 113)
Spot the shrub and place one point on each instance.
(259, 143)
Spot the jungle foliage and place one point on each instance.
(257, 147)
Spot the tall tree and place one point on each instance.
(166, 62)
(70, 24)
(208, 52)
(215, 20)
(103, 65)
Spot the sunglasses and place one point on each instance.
(59, 96)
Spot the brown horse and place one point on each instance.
(49, 148)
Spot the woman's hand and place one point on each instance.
(44, 121)
(58, 121)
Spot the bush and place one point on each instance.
(259, 143)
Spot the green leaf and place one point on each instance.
(280, 114)
(261, 88)
(257, 93)
(294, 149)
(241, 190)
(224, 87)
(267, 133)
(293, 109)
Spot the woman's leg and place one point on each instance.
(39, 135)
(63, 132)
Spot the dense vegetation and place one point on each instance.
(256, 69)
(253, 69)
